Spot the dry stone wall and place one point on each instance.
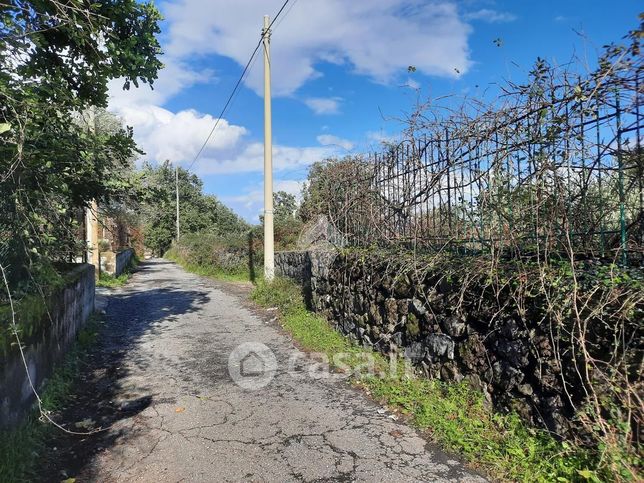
(448, 333)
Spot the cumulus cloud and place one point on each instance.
(251, 159)
(173, 78)
(331, 140)
(324, 105)
(163, 134)
(490, 16)
(378, 38)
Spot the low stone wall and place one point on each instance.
(69, 308)
(294, 265)
(115, 263)
(447, 331)
(123, 259)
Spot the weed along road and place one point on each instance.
(195, 384)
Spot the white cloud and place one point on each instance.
(378, 38)
(412, 84)
(173, 78)
(491, 16)
(177, 136)
(251, 159)
(324, 105)
(380, 137)
(331, 140)
(251, 203)
(255, 195)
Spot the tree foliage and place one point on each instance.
(198, 212)
(56, 59)
(327, 182)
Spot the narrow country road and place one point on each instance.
(160, 380)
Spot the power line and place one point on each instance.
(292, 4)
(234, 91)
(278, 14)
(223, 111)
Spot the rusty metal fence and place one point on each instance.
(555, 166)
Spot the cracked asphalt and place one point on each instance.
(160, 381)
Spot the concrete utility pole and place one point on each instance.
(91, 224)
(269, 255)
(176, 186)
(91, 214)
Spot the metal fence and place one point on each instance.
(555, 166)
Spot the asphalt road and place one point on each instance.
(160, 381)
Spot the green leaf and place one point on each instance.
(4, 127)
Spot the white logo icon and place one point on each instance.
(252, 365)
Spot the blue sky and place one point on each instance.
(340, 79)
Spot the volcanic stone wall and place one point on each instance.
(447, 332)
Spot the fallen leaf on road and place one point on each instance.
(395, 433)
(69, 480)
(179, 410)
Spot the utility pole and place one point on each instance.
(91, 214)
(269, 255)
(176, 187)
(91, 229)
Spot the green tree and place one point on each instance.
(284, 206)
(286, 224)
(198, 212)
(56, 59)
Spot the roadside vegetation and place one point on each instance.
(21, 448)
(454, 415)
(59, 149)
(222, 245)
(110, 281)
(61, 153)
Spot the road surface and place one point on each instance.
(160, 380)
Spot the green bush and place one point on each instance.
(234, 256)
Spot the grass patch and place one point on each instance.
(22, 447)
(110, 281)
(453, 413)
(208, 271)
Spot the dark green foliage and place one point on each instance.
(287, 225)
(53, 159)
(198, 212)
(109, 39)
